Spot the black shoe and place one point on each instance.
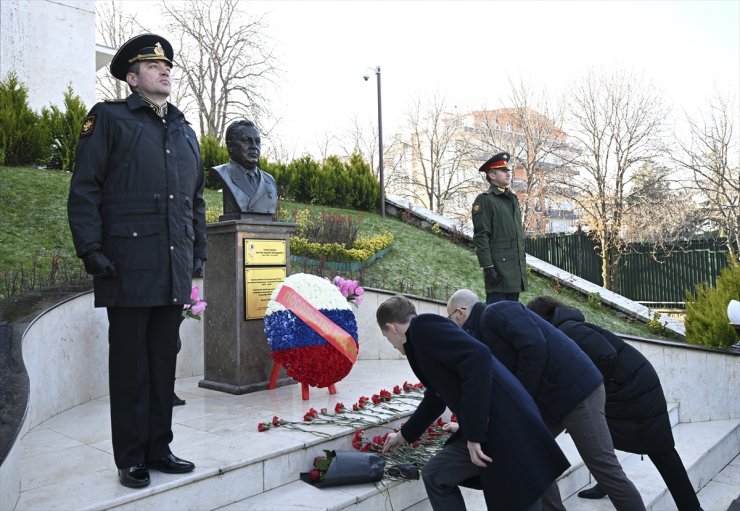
(171, 464)
(136, 476)
(176, 401)
(592, 493)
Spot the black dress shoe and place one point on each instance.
(136, 476)
(176, 400)
(171, 464)
(592, 493)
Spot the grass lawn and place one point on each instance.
(36, 233)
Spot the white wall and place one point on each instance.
(49, 44)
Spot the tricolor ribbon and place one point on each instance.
(325, 327)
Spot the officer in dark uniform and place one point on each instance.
(498, 235)
(137, 217)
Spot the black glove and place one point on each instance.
(98, 265)
(491, 276)
(197, 267)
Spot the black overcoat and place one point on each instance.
(636, 410)
(555, 372)
(137, 195)
(492, 408)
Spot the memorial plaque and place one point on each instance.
(259, 252)
(259, 283)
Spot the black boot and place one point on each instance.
(592, 493)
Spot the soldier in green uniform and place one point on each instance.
(498, 234)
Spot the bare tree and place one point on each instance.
(432, 159)
(616, 124)
(658, 211)
(711, 156)
(114, 27)
(226, 64)
(358, 140)
(531, 132)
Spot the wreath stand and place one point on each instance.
(304, 386)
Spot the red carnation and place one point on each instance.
(396, 389)
(314, 475)
(376, 399)
(263, 426)
(339, 408)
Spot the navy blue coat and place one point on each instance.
(492, 408)
(553, 369)
(636, 410)
(137, 195)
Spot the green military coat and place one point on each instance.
(499, 238)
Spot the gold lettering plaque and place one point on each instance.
(259, 283)
(264, 252)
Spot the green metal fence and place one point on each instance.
(645, 275)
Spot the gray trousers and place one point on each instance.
(446, 470)
(586, 424)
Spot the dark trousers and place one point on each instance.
(444, 473)
(587, 426)
(676, 479)
(495, 296)
(141, 374)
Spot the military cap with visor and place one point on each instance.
(497, 162)
(138, 49)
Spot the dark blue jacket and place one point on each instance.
(137, 195)
(636, 410)
(492, 407)
(553, 369)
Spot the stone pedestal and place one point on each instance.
(236, 355)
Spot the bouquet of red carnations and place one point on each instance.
(337, 468)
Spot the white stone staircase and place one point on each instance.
(707, 448)
(62, 459)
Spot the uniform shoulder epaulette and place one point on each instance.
(115, 100)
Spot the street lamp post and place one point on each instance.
(380, 142)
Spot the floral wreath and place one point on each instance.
(307, 356)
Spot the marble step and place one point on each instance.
(705, 448)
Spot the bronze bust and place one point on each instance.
(248, 191)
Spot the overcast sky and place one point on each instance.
(467, 51)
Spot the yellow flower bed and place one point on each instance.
(362, 249)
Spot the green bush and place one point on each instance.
(64, 130)
(333, 183)
(23, 138)
(212, 154)
(706, 314)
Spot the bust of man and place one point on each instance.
(246, 188)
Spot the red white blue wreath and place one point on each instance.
(306, 356)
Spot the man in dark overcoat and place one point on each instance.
(137, 217)
(498, 234)
(502, 439)
(246, 187)
(565, 384)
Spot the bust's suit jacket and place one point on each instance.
(237, 200)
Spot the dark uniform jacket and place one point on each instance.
(636, 410)
(499, 238)
(553, 369)
(237, 200)
(492, 408)
(137, 194)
